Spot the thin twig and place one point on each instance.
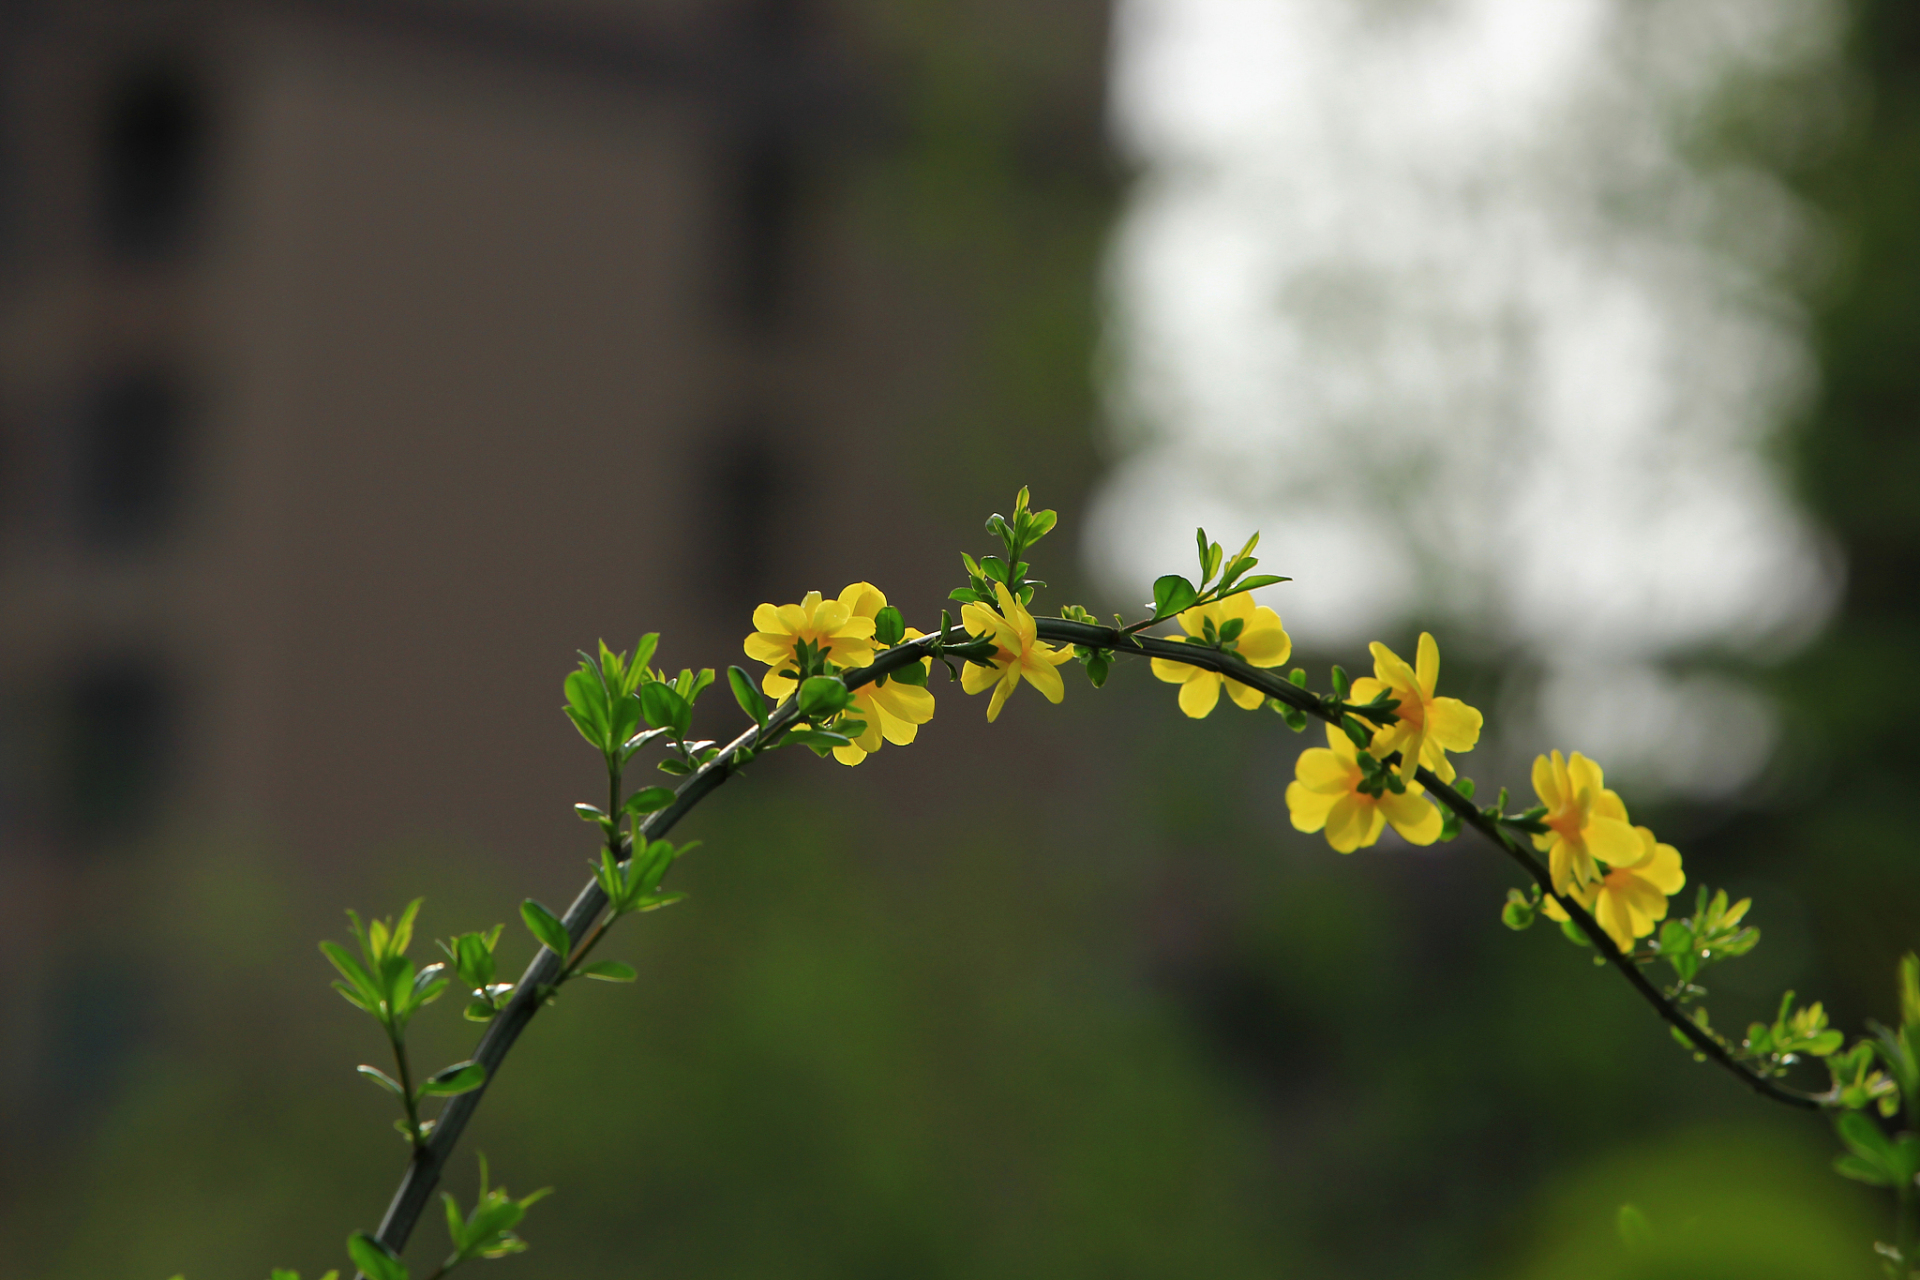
(423, 1170)
(1274, 685)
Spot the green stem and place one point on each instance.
(1278, 687)
(412, 1104)
(423, 1172)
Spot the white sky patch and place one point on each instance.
(1433, 294)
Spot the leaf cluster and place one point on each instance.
(471, 955)
(1795, 1033)
(609, 695)
(1714, 932)
(383, 981)
(1010, 570)
(1220, 577)
(488, 1230)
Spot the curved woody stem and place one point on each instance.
(1276, 686)
(429, 1159)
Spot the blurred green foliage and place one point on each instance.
(1124, 1026)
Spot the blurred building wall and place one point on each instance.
(360, 360)
(355, 353)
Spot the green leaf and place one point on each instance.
(642, 658)
(665, 709)
(889, 628)
(374, 1258)
(546, 926)
(1172, 594)
(1518, 912)
(1254, 583)
(647, 800)
(382, 1079)
(1862, 1171)
(403, 931)
(587, 706)
(914, 673)
(1866, 1140)
(818, 739)
(823, 696)
(608, 971)
(362, 982)
(456, 1224)
(461, 1077)
(751, 700)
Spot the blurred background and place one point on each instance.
(362, 359)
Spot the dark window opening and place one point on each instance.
(128, 460)
(766, 190)
(153, 156)
(763, 167)
(742, 489)
(117, 739)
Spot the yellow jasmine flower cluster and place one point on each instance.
(893, 711)
(1020, 654)
(1347, 796)
(1629, 898)
(1586, 823)
(1428, 727)
(1258, 637)
(1587, 828)
(1327, 794)
(840, 630)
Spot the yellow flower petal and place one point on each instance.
(1044, 676)
(762, 647)
(767, 618)
(909, 703)
(1354, 822)
(1001, 691)
(1662, 870)
(1308, 807)
(1545, 784)
(1265, 643)
(1453, 724)
(978, 679)
(1321, 771)
(1172, 672)
(1613, 842)
(1198, 695)
(863, 599)
(1244, 695)
(1417, 821)
(1427, 664)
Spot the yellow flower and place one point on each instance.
(893, 711)
(843, 636)
(1326, 794)
(1020, 654)
(1428, 727)
(1630, 897)
(1262, 641)
(1586, 822)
